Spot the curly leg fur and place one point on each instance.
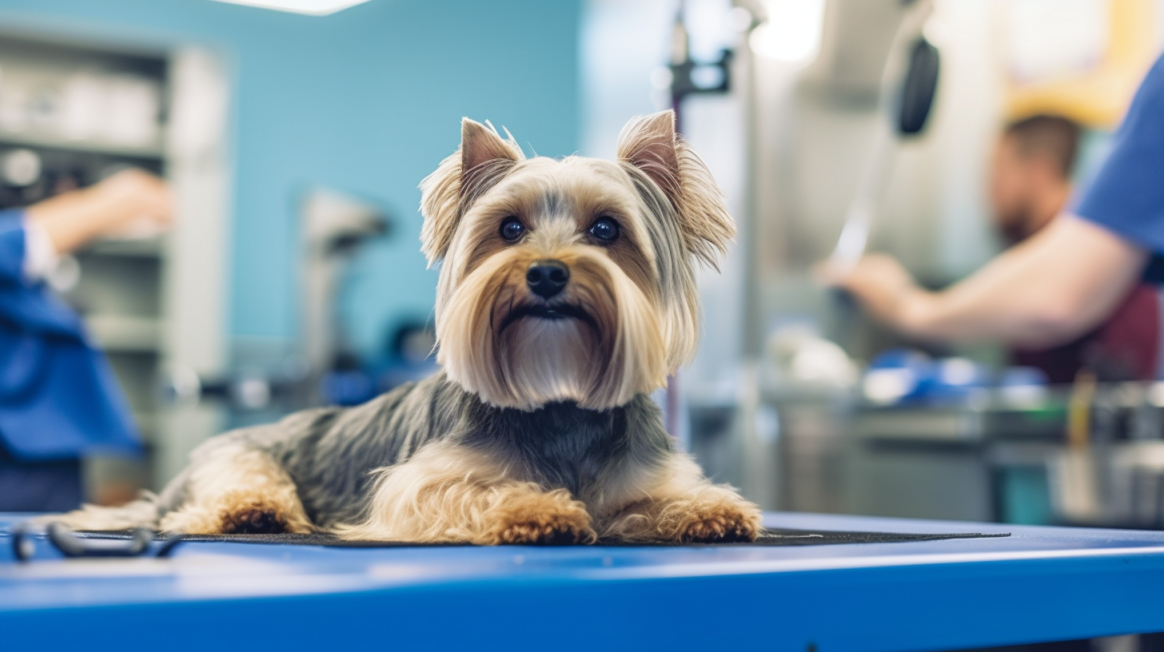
(452, 494)
(239, 490)
(683, 506)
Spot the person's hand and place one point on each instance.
(129, 200)
(132, 198)
(878, 282)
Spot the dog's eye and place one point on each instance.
(512, 229)
(604, 229)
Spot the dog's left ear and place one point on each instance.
(481, 160)
(651, 144)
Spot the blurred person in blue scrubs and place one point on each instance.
(1060, 282)
(59, 400)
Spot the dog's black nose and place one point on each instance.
(546, 278)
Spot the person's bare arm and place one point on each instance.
(1053, 287)
(75, 218)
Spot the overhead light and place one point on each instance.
(791, 31)
(309, 7)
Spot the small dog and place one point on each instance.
(566, 295)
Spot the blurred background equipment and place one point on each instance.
(71, 115)
(1082, 59)
(334, 227)
(907, 97)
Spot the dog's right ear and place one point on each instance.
(483, 157)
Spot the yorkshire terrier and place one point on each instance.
(566, 295)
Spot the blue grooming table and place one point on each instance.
(1040, 584)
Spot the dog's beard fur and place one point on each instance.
(601, 345)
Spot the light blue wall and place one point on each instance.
(368, 101)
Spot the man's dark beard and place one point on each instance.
(1015, 226)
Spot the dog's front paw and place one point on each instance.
(253, 519)
(238, 512)
(244, 512)
(546, 519)
(551, 531)
(723, 522)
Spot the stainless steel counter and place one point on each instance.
(987, 456)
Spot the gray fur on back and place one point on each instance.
(330, 453)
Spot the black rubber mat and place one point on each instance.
(779, 537)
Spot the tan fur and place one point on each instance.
(233, 487)
(540, 362)
(640, 349)
(452, 494)
(488, 179)
(679, 504)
